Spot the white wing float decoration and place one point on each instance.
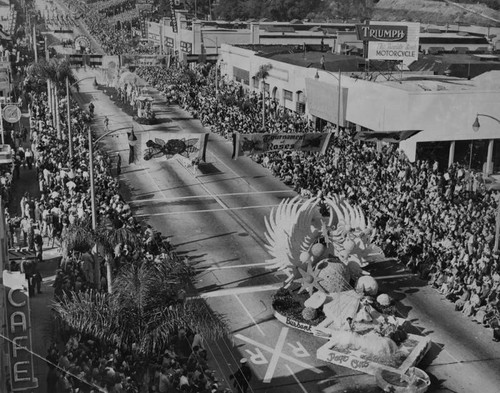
(296, 236)
(324, 256)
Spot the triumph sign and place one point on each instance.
(384, 33)
(390, 41)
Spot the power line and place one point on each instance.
(17, 346)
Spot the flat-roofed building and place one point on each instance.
(429, 116)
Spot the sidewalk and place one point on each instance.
(41, 328)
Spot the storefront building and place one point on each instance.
(430, 116)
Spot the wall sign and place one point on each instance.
(19, 331)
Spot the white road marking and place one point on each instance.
(238, 291)
(282, 355)
(207, 196)
(394, 276)
(231, 266)
(250, 316)
(232, 170)
(296, 379)
(205, 210)
(278, 349)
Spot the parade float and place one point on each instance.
(144, 104)
(329, 294)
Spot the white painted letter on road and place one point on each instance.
(257, 357)
(299, 350)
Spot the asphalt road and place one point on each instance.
(217, 221)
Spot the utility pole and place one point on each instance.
(92, 185)
(68, 115)
(1, 124)
(97, 265)
(34, 44)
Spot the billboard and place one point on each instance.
(390, 40)
(18, 323)
(248, 144)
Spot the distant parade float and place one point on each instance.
(328, 293)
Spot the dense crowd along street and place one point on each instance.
(416, 208)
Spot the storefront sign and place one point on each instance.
(386, 33)
(11, 113)
(173, 18)
(390, 41)
(19, 331)
(186, 47)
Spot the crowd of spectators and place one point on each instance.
(90, 366)
(85, 364)
(440, 222)
(113, 8)
(114, 39)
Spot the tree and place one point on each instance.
(82, 238)
(262, 75)
(54, 74)
(199, 8)
(350, 9)
(144, 310)
(279, 10)
(231, 10)
(287, 10)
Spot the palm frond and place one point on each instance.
(263, 72)
(143, 309)
(79, 237)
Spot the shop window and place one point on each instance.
(287, 95)
(300, 107)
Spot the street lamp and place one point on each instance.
(475, 126)
(68, 109)
(339, 79)
(216, 42)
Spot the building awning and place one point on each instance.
(279, 29)
(392, 137)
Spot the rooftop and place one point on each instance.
(310, 58)
(418, 83)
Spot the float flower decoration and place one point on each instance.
(296, 236)
(325, 257)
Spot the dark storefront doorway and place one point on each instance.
(434, 151)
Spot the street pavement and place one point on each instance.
(217, 221)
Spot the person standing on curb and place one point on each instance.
(118, 165)
(242, 377)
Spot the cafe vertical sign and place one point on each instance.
(18, 323)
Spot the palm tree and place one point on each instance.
(144, 311)
(262, 75)
(54, 73)
(106, 237)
